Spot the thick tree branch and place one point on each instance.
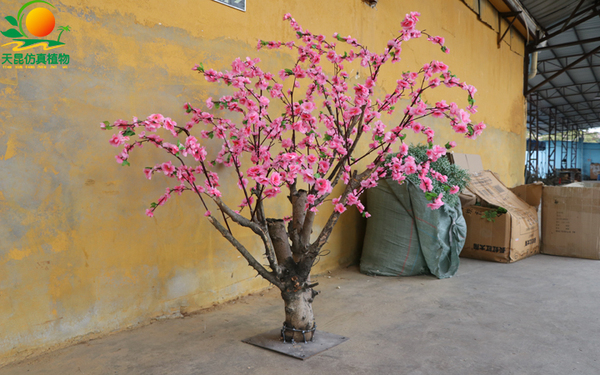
(297, 223)
(256, 228)
(280, 240)
(271, 277)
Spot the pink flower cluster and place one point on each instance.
(313, 143)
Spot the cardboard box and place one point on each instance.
(508, 237)
(594, 171)
(530, 193)
(571, 220)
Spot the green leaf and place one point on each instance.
(201, 68)
(153, 204)
(447, 145)
(471, 100)
(299, 33)
(125, 163)
(430, 196)
(402, 137)
(446, 187)
(444, 48)
(12, 20)
(289, 72)
(317, 175)
(128, 132)
(211, 135)
(234, 138)
(263, 43)
(269, 88)
(148, 168)
(178, 154)
(107, 125)
(340, 38)
(12, 33)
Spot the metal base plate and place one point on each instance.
(272, 340)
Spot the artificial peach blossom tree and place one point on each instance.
(304, 152)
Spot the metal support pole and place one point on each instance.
(564, 146)
(574, 141)
(531, 166)
(552, 126)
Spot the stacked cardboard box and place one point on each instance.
(569, 217)
(571, 220)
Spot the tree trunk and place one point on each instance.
(299, 315)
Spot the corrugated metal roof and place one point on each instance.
(568, 47)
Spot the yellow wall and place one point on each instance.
(77, 255)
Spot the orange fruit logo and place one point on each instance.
(40, 22)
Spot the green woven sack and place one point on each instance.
(404, 237)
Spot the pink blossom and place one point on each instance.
(272, 193)
(307, 107)
(354, 111)
(340, 208)
(168, 168)
(460, 128)
(437, 202)
(323, 166)
(417, 127)
(207, 213)
(209, 103)
(148, 173)
(426, 184)
(149, 212)
(323, 186)
(454, 189)
(275, 179)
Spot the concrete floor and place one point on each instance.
(536, 316)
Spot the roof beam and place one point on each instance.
(572, 68)
(582, 114)
(576, 104)
(570, 44)
(563, 70)
(584, 11)
(561, 57)
(558, 95)
(574, 87)
(571, 16)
